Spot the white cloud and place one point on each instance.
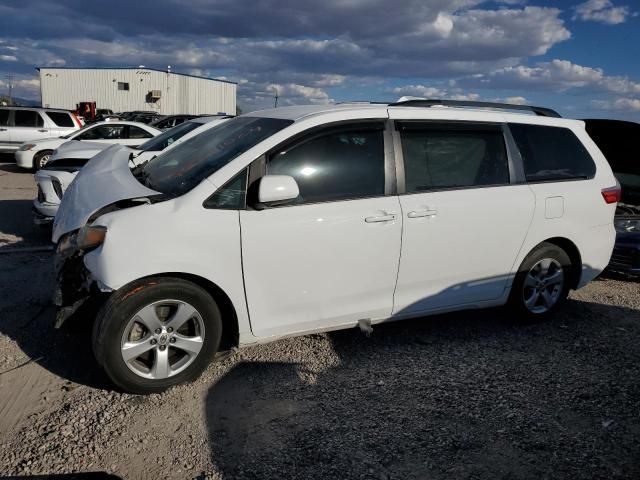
(601, 11)
(8, 58)
(557, 75)
(620, 104)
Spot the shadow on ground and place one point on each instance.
(467, 395)
(27, 317)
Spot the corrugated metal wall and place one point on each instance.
(65, 87)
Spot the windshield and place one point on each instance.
(165, 139)
(180, 169)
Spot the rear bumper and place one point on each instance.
(626, 255)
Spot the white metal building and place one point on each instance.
(128, 89)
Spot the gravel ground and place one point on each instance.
(468, 395)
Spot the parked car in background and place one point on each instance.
(35, 154)
(142, 116)
(618, 141)
(69, 158)
(317, 218)
(171, 121)
(24, 124)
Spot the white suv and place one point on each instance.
(314, 218)
(24, 124)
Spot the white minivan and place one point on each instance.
(314, 218)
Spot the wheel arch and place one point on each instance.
(573, 252)
(230, 327)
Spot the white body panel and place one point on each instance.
(460, 253)
(296, 269)
(320, 265)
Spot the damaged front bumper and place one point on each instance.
(74, 286)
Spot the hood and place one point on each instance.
(104, 180)
(78, 149)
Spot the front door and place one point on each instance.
(464, 221)
(330, 257)
(28, 125)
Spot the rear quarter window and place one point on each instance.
(61, 119)
(551, 153)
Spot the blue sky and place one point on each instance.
(580, 57)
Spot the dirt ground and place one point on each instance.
(468, 395)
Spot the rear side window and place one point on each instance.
(551, 153)
(439, 157)
(27, 118)
(61, 119)
(335, 166)
(104, 132)
(4, 117)
(137, 132)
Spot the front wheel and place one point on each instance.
(40, 159)
(156, 333)
(542, 283)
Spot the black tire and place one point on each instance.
(38, 157)
(114, 316)
(518, 294)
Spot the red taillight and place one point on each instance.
(612, 194)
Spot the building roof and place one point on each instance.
(137, 68)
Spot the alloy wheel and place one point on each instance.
(162, 339)
(543, 285)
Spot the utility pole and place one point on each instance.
(275, 105)
(10, 84)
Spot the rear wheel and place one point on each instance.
(542, 282)
(40, 159)
(156, 333)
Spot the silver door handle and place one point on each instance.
(381, 218)
(43, 130)
(422, 213)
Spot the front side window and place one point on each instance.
(441, 157)
(103, 132)
(551, 153)
(231, 196)
(340, 165)
(61, 119)
(4, 117)
(27, 118)
(137, 132)
(181, 168)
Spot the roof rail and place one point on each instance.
(428, 102)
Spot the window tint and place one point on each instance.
(123, 86)
(336, 166)
(103, 132)
(181, 168)
(4, 117)
(231, 196)
(27, 118)
(551, 153)
(438, 157)
(61, 119)
(137, 132)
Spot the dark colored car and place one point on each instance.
(171, 121)
(618, 142)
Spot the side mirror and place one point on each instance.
(277, 188)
